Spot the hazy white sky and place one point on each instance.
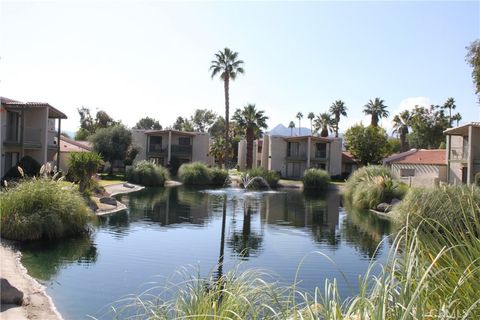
(150, 58)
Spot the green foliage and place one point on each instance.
(442, 145)
(427, 126)
(203, 119)
(30, 168)
(377, 110)
(112, 143)
(40, 208)
(324, 123)
(182, 124)
(218, 147)
(147, 174)
(195, 173)
(270, 176)
(367, 144)
(82, 134)
(473, 59)
(394, 145)
(337, 109)
(371, 185)
(218, 176)
(82, 166)
(148, 123)
(316, 179)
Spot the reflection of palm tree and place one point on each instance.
(248, 241)
(222, 240)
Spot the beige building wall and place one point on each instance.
(277, 151)
(456, 162)
(426, 175)
(335, 157)
(242, 155)
(200, 149)
(139, 139)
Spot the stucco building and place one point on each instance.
(291, 156)
(463, 153)
(28, 129)
(167, 146)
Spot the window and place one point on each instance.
(184, 141)
(13, 125)
(407, 172)
(321, 150)
(155, 143)
(293, 149)
(11, 159)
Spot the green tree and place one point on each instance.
(376, 109)
(203, 119)
(182, 124)
(457, 117)
(473, 59)
(148, 123)
(291, 125)
(218, 128)
(299, 117)
(82, 134)
(401, 123)
(218, 148)
(311, 116)
(252, 121)
(367, 144)
(338, 109)
(427, 126)
(112, 143)
(228, 66)
(82, 166)
(103, 120)
(86, 120)
(323, 123)
(449, 104)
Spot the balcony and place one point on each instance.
(32, 137)
(320, 155)
(297, 156)
(458, 154)
(157, 149)
(181, 150)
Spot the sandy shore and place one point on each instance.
(36, 303)
(114, 189)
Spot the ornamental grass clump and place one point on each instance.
(371, 185)
(41, 209)
(195, 173)
(218, 177)
(270, 176)
(316, 179)
(147, 173)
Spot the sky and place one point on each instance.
(150, 58)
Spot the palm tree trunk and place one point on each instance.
(227, 121)
(337, 121)
(374, 122)
(249, 147)
(299, 127)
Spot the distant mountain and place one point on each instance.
(281, 130)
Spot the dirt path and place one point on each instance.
(36, 303)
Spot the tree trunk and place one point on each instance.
(374, 122)
(337, 121)
(249, 147)
(324, 132)
(227, 121)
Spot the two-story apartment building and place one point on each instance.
(28, 128)
(463, 153)
(164, 146)
(291, 156)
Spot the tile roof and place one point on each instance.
(69, 145)
(53, 112)
(347, 157)
(435, 156)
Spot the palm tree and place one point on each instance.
(338, 109)
(252, 121)
(291, 125)
(324, 122)
(299, 116)
(401, 122)
(457, 117)
(377, 110)
(228, 65)
(449, 104)
(311, 116)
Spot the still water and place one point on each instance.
(167, 229)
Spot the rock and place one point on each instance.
(93, 205)
(394, 201)
(108, 200)
(128, 185)
(383, 207)
(10, 294)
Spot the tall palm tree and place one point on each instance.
(338, 109)
(324, 122)
(377, 110)
(401, 122)
(311, 116)
(291, 125)
(449, 104)
(252, 121)
(299, 116)
(457, 117)
(228, 66)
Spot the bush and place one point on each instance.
(30, 168)
(40, 208)
(199, 174)
(316, 179)
(270, 176)
(218, 176)
(371, 185)
(147, 174)
(81, 167)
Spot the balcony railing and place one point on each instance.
(320, 155)
(156, 148)
(33, 136)
(181, 149)
(458, 153)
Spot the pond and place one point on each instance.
(166, 230)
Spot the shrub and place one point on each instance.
(30, 168)
(371, 185)
(147, 174)
(40, 208)
(270, 176)
(195, 173)
(316, 179)
(81, 167)
(218, 176)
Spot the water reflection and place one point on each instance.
(44, 259)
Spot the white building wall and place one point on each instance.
(200, 149)
(276, 155)
(139, 139)
(426, 175)
(335, 157)
(242, 155)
